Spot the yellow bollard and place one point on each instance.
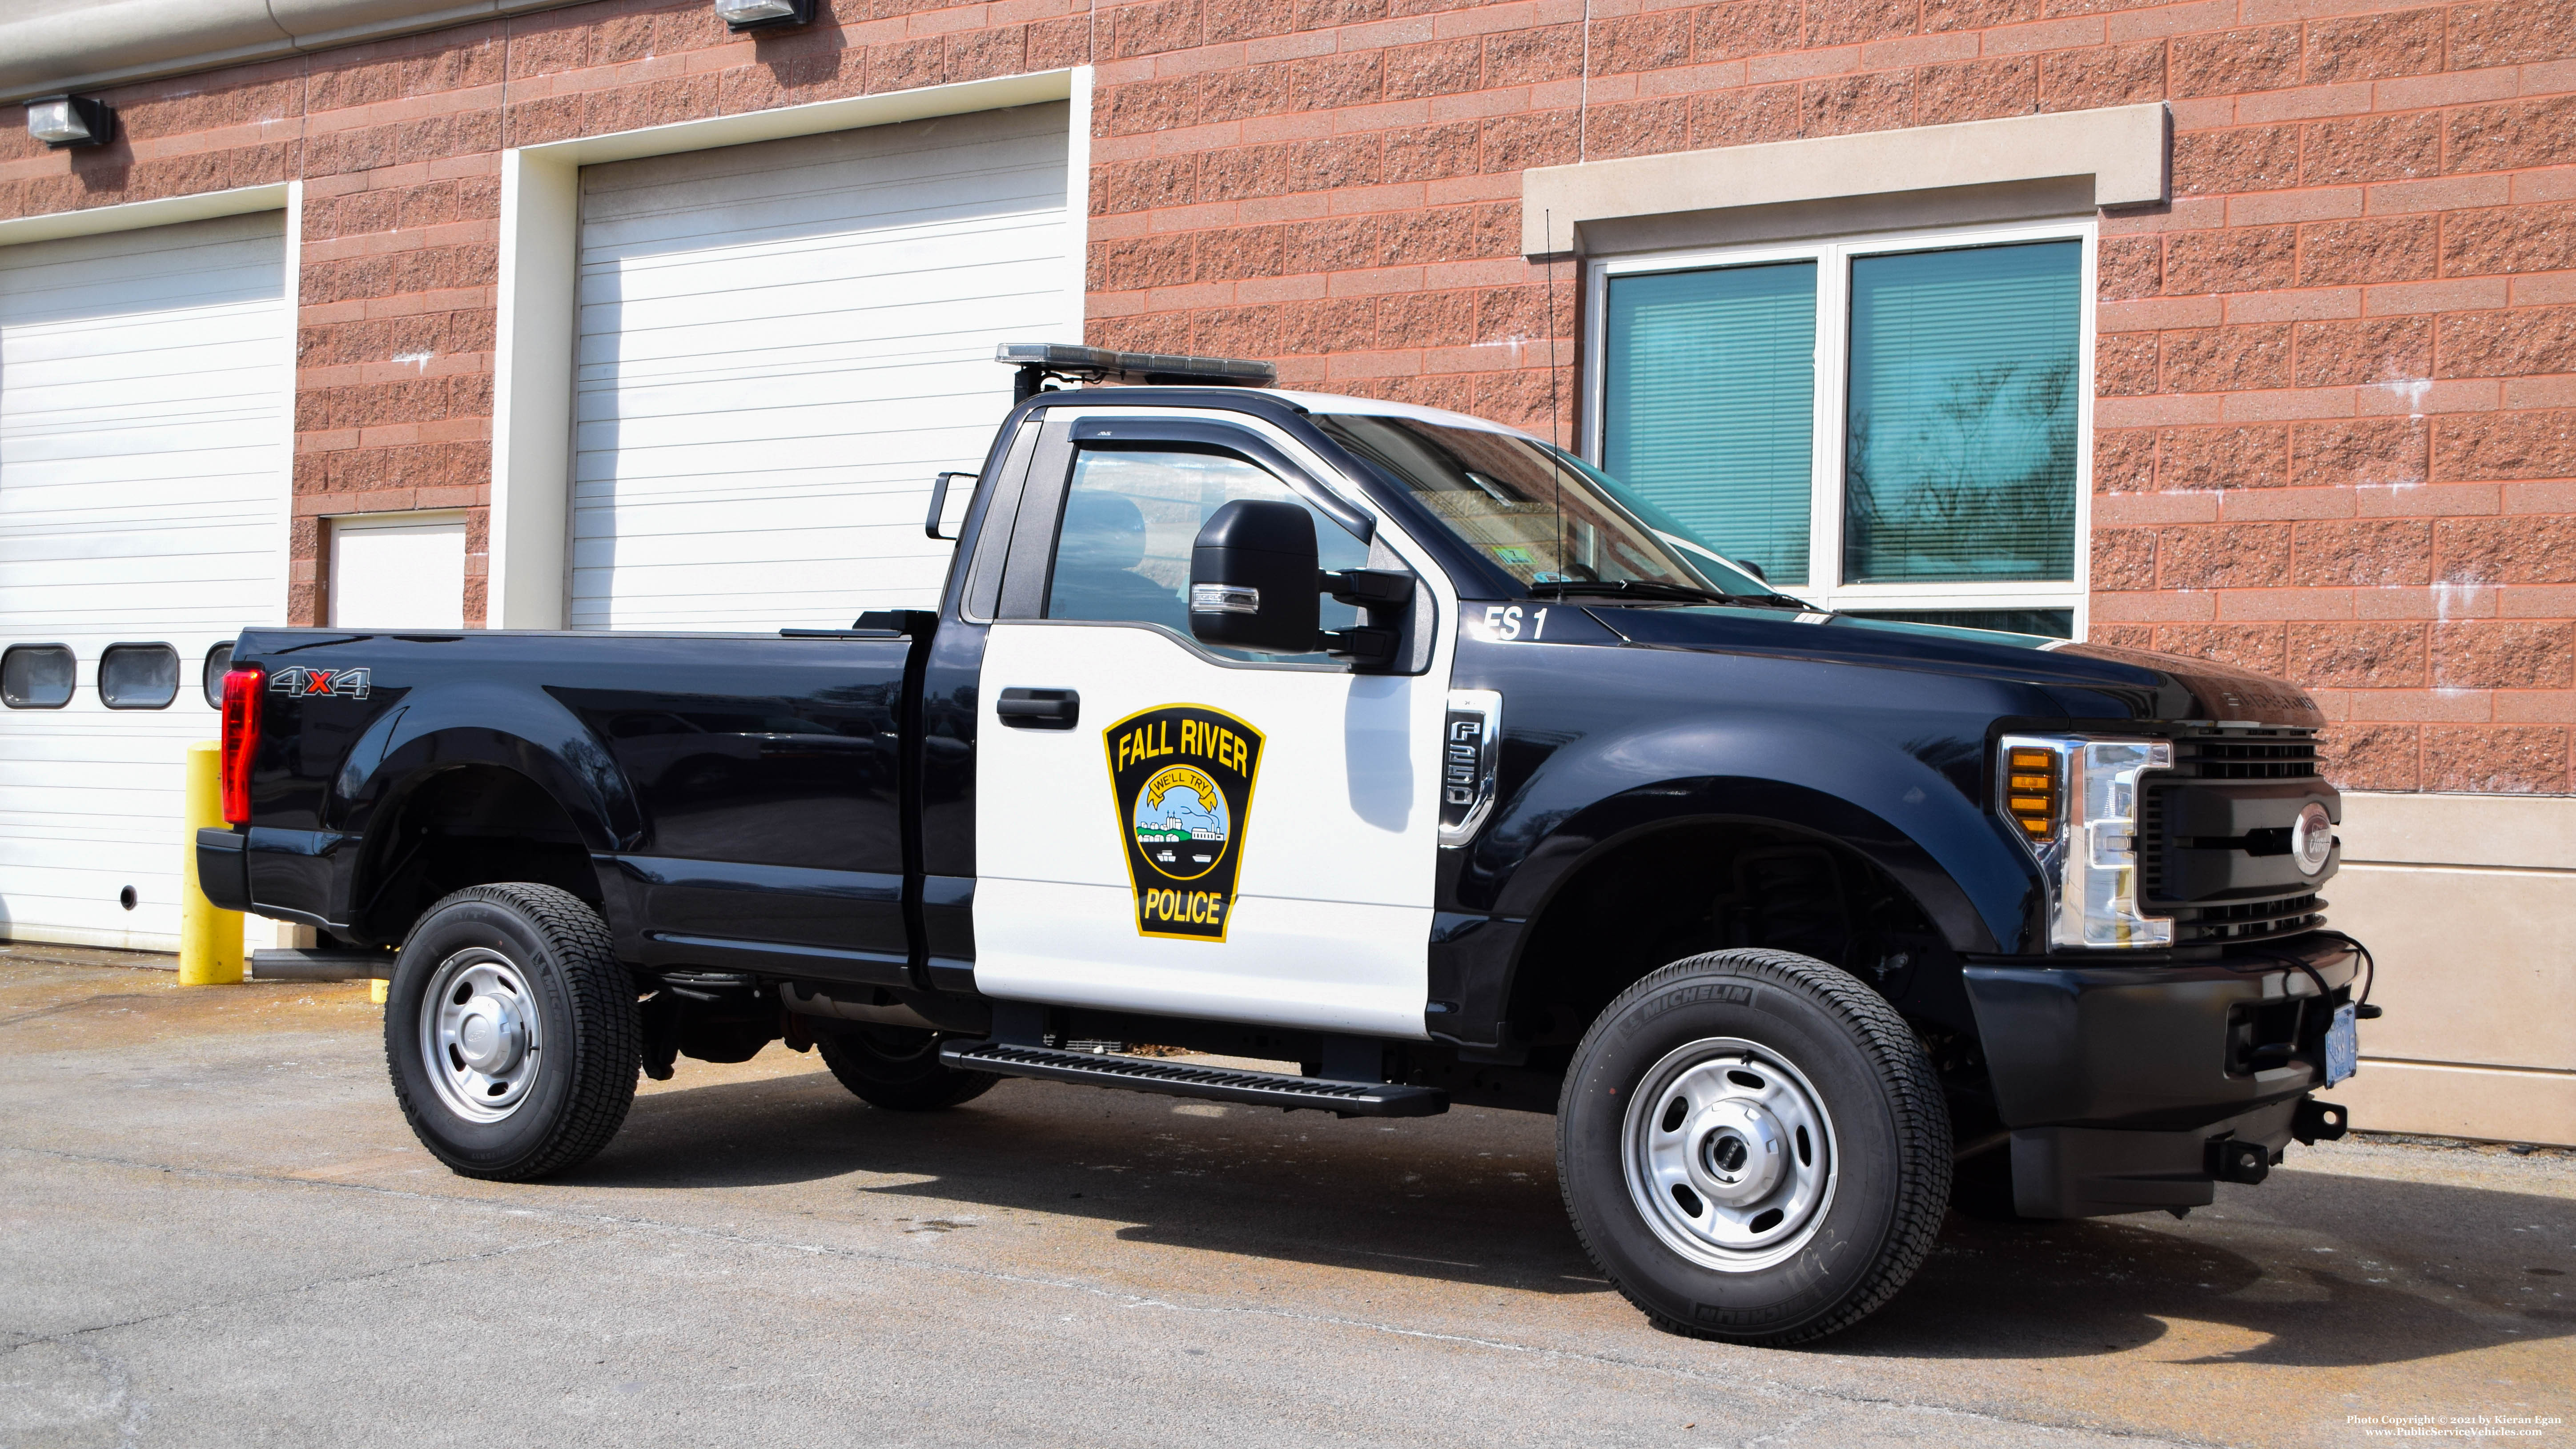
(210, 940)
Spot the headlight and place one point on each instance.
(2074, 801)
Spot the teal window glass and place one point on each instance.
(2050, 623)
(1960, 444)
(1709, 404)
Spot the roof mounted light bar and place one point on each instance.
(1038, 361)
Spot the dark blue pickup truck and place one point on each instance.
(1403, 751)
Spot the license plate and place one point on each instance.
(2343, 1046)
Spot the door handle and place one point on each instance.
(1040, 709)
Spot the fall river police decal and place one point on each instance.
(1180, 777)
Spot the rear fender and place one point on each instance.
(522, 730)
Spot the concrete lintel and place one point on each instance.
(160, 211)
(2121, 148)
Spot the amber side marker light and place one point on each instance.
(2033, 791)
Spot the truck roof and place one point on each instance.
(1312, 402)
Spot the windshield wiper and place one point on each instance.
(1656, 589)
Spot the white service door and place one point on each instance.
(398, 571)
(144, 394)
(1284, 820)
(782, 343)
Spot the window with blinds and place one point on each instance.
(1892, 425)
(1959, 420)
(1710, 383)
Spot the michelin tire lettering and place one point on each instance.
(1180, 780)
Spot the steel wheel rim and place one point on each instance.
(481, 1034)
(1729, 1154)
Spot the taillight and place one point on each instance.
(241, 739)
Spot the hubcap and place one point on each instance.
(1729, 1154)
(480, 1034)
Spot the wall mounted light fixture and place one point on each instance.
(740, 15)
(62, 121)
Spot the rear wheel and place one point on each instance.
(896, 1067)
(1753, 1147)
(511, 1032)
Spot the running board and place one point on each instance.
(1139, 1074)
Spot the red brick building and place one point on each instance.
(2327, 411)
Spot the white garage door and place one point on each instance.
(781, 343)
(143, 483)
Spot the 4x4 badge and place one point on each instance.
(1180, 780)
(303, 683)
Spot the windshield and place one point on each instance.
(1541, 515)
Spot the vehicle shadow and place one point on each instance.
(2314, 1270)
(2309, 1269)
(1469, 1197)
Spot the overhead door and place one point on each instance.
(143, 521)
(781, 343)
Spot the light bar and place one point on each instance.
(1038, 360)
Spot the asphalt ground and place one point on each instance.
(216, 1230)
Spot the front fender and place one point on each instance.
(1932, 837)
(520, 729)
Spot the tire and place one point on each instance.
(895, 1067)
(1753, 1147)
(524, 972)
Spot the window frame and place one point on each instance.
(1833, 256)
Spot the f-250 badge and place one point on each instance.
(1180, 778)
(303, 683)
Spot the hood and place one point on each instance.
(2087, 681)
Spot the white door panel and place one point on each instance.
(1346, 795)
(1324, 965)
(144, 392)
(1330, 923)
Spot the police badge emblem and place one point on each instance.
(1180, 779)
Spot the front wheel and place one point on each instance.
(511, 1032)
(1753, 1147)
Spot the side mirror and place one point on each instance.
(939, 507)
(1253, 579)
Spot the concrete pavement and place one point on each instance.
(218, 1231)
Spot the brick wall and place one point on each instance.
(2336, 430)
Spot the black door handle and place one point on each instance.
(1040, 709)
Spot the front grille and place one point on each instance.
(2250, 920)
(2249, 755)
(2246, 757)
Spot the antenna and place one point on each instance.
(1555, 469)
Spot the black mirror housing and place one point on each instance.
(1253, 578)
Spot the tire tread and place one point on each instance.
(1914, 1099)
(607, 1037)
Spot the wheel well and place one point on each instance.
(465, 826)
(1688, 888)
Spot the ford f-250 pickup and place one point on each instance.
(1401, 750)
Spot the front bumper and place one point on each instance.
(2116, 1080)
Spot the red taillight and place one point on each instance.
(241, 739)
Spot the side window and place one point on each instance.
(1130, 517)
(36, 676)
(138, 676)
